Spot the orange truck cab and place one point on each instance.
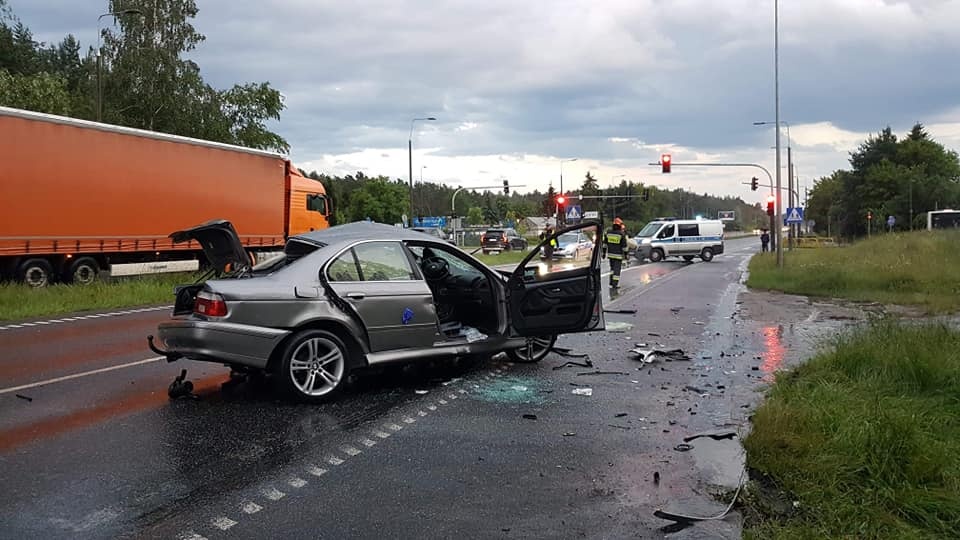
(81, 198)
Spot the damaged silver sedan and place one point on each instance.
(367, 294)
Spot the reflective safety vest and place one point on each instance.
(616, 244)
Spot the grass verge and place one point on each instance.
(504, 257)
(19, 302)
(866, 437)
(910, 269)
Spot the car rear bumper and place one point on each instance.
(223, 342)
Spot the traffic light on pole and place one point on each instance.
(754, 183)
(665, 163)
(646, 195)
(561, 200)
(770, 201)
(869, 216)
(506, 187)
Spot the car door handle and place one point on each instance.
(356, 295)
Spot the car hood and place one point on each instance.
(220, 244)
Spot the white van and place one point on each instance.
(687, 238)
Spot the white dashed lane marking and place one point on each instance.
(81, 318)
(334, 460)
(381, 434)
(223, 523)
(351, 451)
(273, 494)
(394, 427)
(316, 471)
(297, 482)
(190, 535)
(368, 442)
(442, 402)
(250, 507)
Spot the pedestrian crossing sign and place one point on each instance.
(794, 215)
(574, 213)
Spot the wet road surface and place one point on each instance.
(108, 455)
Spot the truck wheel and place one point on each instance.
(35, 272)
(706, 254)
(656, 255)
(83, 271)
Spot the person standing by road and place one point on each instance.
(615, 246)
(764, 240)
(548, 249)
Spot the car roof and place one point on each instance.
(360, 230)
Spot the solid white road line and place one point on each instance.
(78, 375)
(83, 317)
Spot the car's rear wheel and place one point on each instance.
(314, 365)
(706, 254)
(656, 255)
(535, 350)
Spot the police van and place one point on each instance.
(687, 238)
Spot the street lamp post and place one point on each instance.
(410, 159)
(790, 197)
(613, 201)
(100, 54)
(776, 99)
(561, 186)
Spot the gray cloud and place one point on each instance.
(561, 78)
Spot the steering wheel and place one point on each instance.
(435, 268)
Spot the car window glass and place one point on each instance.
(571, 251)
(383, 261)
(667, 232)
(649, 230)
(343, 268)
(316, 203)
(457, 265)
(691, 229)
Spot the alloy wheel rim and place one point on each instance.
(316, 366)
(535, 348)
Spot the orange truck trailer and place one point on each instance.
(80, 198)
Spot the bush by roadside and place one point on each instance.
(918, 268)
(865, 438)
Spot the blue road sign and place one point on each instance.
(794, 215)
(430, 221)
(574, 213)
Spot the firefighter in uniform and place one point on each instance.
(615, 246)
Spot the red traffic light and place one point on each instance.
(561, 199)
(665, 163)
(869, 215)
(770, 201)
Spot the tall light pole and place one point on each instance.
(776, 97)
(561, 186)
(114, 14)
(790, 197)
(410, 159)
(613, 201)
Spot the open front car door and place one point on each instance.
(560, 293)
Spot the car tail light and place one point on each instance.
(210, 304)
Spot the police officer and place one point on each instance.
(615, 245)
(548, 249)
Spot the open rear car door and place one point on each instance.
(562, 294)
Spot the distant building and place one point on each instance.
(536, 225)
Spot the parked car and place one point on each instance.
(502, 240)
(367, 294)
(573, 245)
(436, 232)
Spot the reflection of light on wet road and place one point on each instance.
(774, 351)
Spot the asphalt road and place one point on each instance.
(91, 447)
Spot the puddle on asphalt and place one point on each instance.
(721, 462)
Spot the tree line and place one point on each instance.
(144, 79)
(888, 176)
(358, 197)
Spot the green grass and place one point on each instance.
(504, 257)
(917, 268)
(866, 437)
(21, 302)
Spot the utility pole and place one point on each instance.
(410, 161)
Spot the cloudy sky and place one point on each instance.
(518, 86)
